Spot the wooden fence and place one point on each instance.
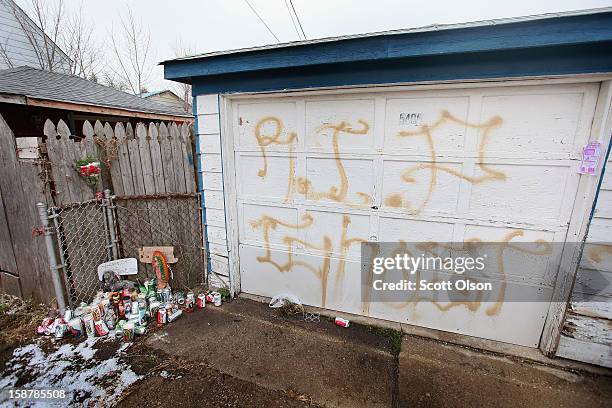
(24, 270)
(153, 160)
(149, 160)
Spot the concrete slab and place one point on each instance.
(434, 374)
(336, 367)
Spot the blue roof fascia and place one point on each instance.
(550, 32)
(547, 61)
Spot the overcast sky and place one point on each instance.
(212, 25)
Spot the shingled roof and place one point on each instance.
(52, 86)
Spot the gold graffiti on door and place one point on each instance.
(267, 223)
(427, 131)
(304, 185)
(473, 302)
(339, 193)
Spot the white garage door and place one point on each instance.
(316, 175)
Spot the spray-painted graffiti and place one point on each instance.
(267, 223)
(473, 300)
(338, 193)
(304, 186)
(275, 139)
(426, 131)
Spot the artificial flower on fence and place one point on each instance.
(89, 169)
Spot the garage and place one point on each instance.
(317, 175)
(450, 134)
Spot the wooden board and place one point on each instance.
(166, 158)
(156, 159)
(111, 159)
(178, 158)
(7, 255)
(135, 162)
(123, 158)
(90, 149)
(186, 133)
(73, 150)
(585, 351)
(145, 159)
(10, 284)
(21, 189)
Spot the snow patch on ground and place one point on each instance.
(89, 381)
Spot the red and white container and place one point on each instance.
(201, 301)
(162, 316)
(101, 328)
(341, 322)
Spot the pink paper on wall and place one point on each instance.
(590, 158)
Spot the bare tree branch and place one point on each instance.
(79, 44)
(4, 53)
(181, 89)
(131, 49)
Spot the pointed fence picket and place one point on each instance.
(153, 159)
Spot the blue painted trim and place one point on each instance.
(201, 185)
(563, 31)
(566, 60)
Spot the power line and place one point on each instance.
(292, 20)
(298, 19)
(262, 20)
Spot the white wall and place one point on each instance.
(210, 172)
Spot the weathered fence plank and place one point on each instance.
(188, 158)
(54, 154)
(7, 254)
(71, 151)
(60, 169)
(110, 159)
(177, 158)
(88, 148)
(36, 283)
(20, 190)
(123, 157)
(156, 159)
(166, 158)
(135, 163)
(145, 159)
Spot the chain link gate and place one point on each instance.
(172, 219)
(96, 231)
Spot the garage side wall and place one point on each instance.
(206, 108)
(586, 334)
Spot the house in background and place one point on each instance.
(167, 97)
(29, 96)
(23, 43)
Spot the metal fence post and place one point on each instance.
(55, 275)
(111, 223)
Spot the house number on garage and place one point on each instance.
(410, 118)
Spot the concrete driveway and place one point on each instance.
(285, 361)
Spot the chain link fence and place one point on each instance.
(82, 232)
(96, 231)
(164, 220)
